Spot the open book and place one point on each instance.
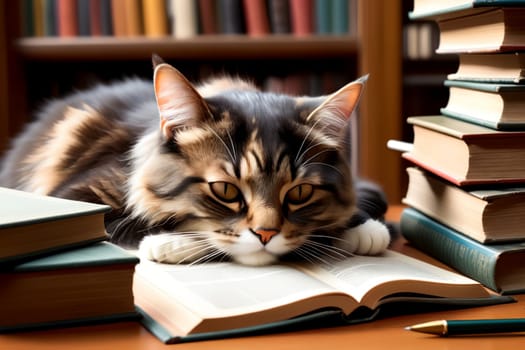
(182, 303)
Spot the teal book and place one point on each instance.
(182, 303)
(340, 17)
(32, 224)
(424, 9)
(323, 16)
(86, 285)
(497, 266)
(498, 106)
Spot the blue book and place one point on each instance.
(498, 266)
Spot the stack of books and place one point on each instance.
(55, 267)
(466, 193)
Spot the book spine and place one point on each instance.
(452, 248)
(84, 23)
(230, 16)
(207, 15)
(184, 18)
(279, 14)
(95, 17)
(301, 14)
(256, 16)
(106, 20)
(117, 18)
(339, 17)
(133, 15)
(67, 18)
(155, 18)
(323, 16)
(50, 16)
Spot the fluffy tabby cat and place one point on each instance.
(228, 171)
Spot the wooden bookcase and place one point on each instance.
(31, 67)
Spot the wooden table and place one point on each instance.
(380, 334)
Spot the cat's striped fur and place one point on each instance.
(228, 171)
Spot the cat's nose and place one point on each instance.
(265, 234)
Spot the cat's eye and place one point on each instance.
(300, 194)
(225, 191)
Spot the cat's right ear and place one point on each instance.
(180, 105)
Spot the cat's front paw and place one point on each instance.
(369, 238)
(171, 249)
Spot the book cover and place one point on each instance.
(33, 224)
(495, 30)
(323, 16)
(424, 9)
(466, 153)
(184, 18)
(279, 14)
(494, 105)
(256, 16)
(491, 68)
(184, 303)
(133, 14)
(208, 17)
(84, 23)
(231, 16)
(85, 285)
(498, 266)
(475, 212)
(302, 17)
(340, 17)
(155, 18)
(67, 14)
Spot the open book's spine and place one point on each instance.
(452, 248)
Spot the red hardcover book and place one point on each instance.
(256, 16)
(208, 18)
(301, 13)
(67, 18)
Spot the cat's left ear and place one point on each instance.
(180, 105)
(331, 115)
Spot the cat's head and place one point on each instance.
(252, 174)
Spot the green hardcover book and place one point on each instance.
(32, 224)
(497, 106)
(323, 16)
(340, 14)
(86, 285)
(498, 266)
(217, 300)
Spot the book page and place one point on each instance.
(358, 275)
(228, 288)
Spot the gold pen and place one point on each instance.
(465, 327)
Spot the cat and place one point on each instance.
(211, 171)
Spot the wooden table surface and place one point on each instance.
(386, 333)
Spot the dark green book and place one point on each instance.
(86, 285)
(183, 303)
(494, 105)
(32, 224)
(498, 266)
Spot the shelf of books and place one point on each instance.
(466, 185)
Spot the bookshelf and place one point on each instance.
(34, 69)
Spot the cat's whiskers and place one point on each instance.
(231, 153)
(209, 257)
(310, 254)
(300, 152)
(327, 250)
